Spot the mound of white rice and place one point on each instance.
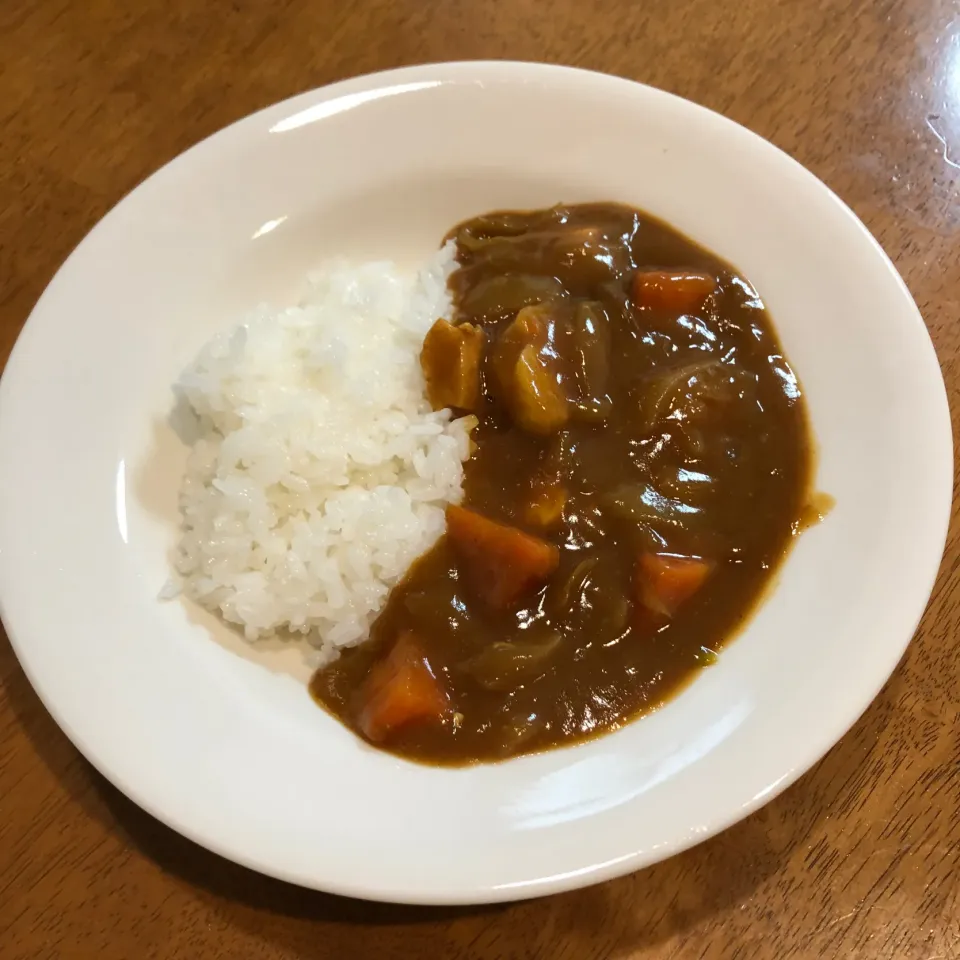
(320, 472)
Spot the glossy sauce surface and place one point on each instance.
(685, 435)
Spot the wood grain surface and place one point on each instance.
(860, 858)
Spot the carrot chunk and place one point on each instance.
(664, 581)
(400, 689)
(501, 562)
(672, 291)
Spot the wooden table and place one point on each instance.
(860, 858)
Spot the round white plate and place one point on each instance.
(228, 748)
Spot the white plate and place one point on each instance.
(233, 754)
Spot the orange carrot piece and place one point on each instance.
(400, 689)
(502, 563)
(665, 581)
(672, 291)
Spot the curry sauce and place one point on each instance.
(642, 460)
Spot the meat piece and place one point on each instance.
(450, 360)
(502, 563)
(672, 291)
(400, 689)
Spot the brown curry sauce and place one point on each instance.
(679, 432)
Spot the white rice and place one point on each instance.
(320, 472)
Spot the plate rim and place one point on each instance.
(453, 71)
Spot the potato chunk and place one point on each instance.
(528, 373)
(450, 360)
